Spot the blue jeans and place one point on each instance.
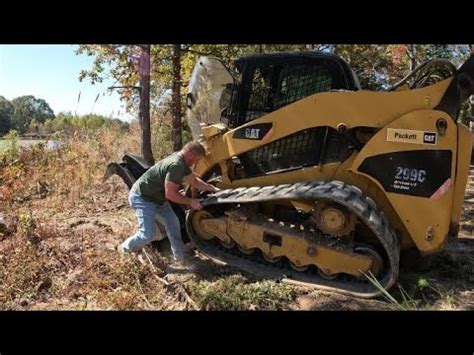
(146, 213)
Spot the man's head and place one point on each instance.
(193, 152)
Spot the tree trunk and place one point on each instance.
(471, 101)
(176, 99)
(411, 51)
(144, 109)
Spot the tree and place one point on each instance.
(171, 66)
(412, 54)
(33, 127)
(471, 101)
(132, 67)
(176, 136)
(144, 115)
(375, 65)
(378, 66)
(27, 108)
(6, 112)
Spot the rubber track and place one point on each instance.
(347, 195)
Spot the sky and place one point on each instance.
(51, 72)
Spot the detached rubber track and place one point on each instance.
(347, 195)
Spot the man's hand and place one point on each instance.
(201, 185)
(195, 204)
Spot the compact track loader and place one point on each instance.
(323, 182)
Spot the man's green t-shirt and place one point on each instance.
(151, 185)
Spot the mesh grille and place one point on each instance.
(260, 94)
(276, 87)
(299, 149)
(301, 81)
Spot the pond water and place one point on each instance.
(49, 144)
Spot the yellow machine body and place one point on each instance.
(397, 122)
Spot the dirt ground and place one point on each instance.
(79, 244)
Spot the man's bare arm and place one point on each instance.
(198, 183)
(172, 193)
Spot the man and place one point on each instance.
(149, 197)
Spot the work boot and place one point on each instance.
(190, 247)
(186, 263)
(124, 252)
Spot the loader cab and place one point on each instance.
(272, 81)
(260, 84)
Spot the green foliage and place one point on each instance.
(161, 137)
(28, 108)
(456, 53)
(123, 63)
(378, 66)
(236, 293)
(465, 113)
(418, 293)
(6, 112)
(33, 126)
(373, 64)
(10, 148)
(67, 123)
(187, 135)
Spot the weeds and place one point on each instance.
(10, 148)
(423, 294)
(236, 293)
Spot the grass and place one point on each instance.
(58, 267)
(48, 263)
(235, 292)
(38, 270)
(417, 294)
